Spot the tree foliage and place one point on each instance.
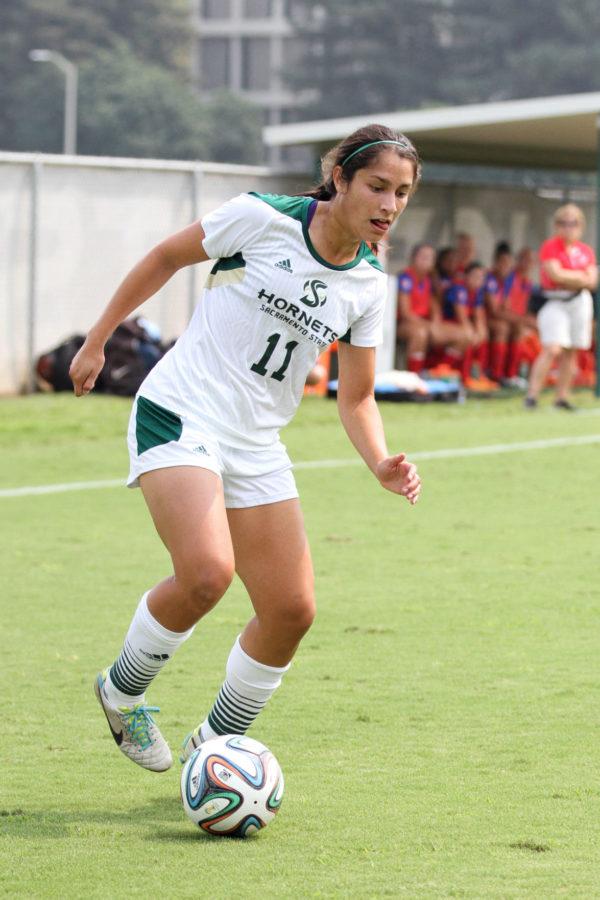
(134, 94)
(359, 58)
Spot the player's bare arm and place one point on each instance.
(362, 421)
(149, 275)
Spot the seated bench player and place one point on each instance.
(523, 341)
(463, 304)
(420, 323)
(498, 318)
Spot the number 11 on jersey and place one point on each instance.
(260, 367)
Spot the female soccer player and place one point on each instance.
(420, 321)
(415, 306)
(292, 274)
(499, 326)
(568, 274)
(463, 303)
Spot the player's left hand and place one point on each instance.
(398, 475)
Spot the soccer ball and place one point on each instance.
(231, 785)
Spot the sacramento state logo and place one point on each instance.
(317, 291)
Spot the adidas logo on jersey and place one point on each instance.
(286, 265)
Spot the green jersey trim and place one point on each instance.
(297, 208)
(289, 206)
(227, 263)
(372, 259)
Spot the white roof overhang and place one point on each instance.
(543, 132)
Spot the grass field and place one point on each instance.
(439, 729)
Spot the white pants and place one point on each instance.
(567, 323)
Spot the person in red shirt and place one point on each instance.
(463, 304)
(568, 273)
(524, 343)
(465, 251)
(498, 322)
(444, 272)
(507, 291)
(414, 305)
(420, 322)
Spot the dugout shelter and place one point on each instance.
(550, 145)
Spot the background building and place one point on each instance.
(243, 45)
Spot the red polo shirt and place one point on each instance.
(575, 256)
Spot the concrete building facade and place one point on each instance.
(243, 46)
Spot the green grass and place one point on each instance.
(438, 730)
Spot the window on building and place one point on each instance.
(258, 9)
(256, 64)
(216, 9)
(214, 63)
(293, 51)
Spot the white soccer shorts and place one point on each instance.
(567, 323)
(158, 438)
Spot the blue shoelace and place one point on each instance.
(138, 722)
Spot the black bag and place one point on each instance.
(125, 367)
(129, 353)
(52, 368)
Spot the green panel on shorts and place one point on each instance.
(155, 425)
(345, 338)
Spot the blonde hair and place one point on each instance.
(569, 209)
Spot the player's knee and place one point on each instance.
(553, 351)
(205, 583)
(299, 613)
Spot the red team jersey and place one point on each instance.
(517, 291)
(576, 257)
(419, 291)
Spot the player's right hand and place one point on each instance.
(85, 367)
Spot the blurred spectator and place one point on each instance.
(524, 344)
(444, 272)
(415, 305)
(464, 304)
(568, 273)
(499, 325)
(465, 251)
(420, 321)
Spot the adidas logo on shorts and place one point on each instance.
(201, 449)
(286, 265)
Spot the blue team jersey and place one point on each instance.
(491, 285)
(458, 295)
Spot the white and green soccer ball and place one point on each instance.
(232, 785)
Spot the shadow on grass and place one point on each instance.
(164, 816)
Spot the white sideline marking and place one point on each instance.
(447, 453)
(60, 488)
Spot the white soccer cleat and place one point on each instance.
(135, 731)
(191, 742)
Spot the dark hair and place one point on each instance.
(474, 265)
(338, 155)
(419, 247)
(442, 253)
(502, 249)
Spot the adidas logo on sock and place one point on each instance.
(286, 265)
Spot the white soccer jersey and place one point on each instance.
(269, 307)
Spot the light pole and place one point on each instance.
(69, 70)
